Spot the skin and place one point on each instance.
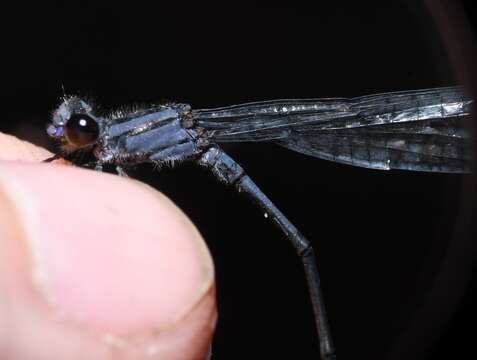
(96, 266)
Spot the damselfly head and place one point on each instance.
(74, 125)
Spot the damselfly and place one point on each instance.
(422, 130)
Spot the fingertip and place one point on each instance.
(14, 149)
(109, 256)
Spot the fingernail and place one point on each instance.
(110, 253)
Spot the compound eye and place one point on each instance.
(81, 130)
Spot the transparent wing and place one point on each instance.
(431, 145)
(420, 130)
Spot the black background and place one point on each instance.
(392, 253)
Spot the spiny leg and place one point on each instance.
(52, 158)
(96, 165)
(228, 171)
(121, 171)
